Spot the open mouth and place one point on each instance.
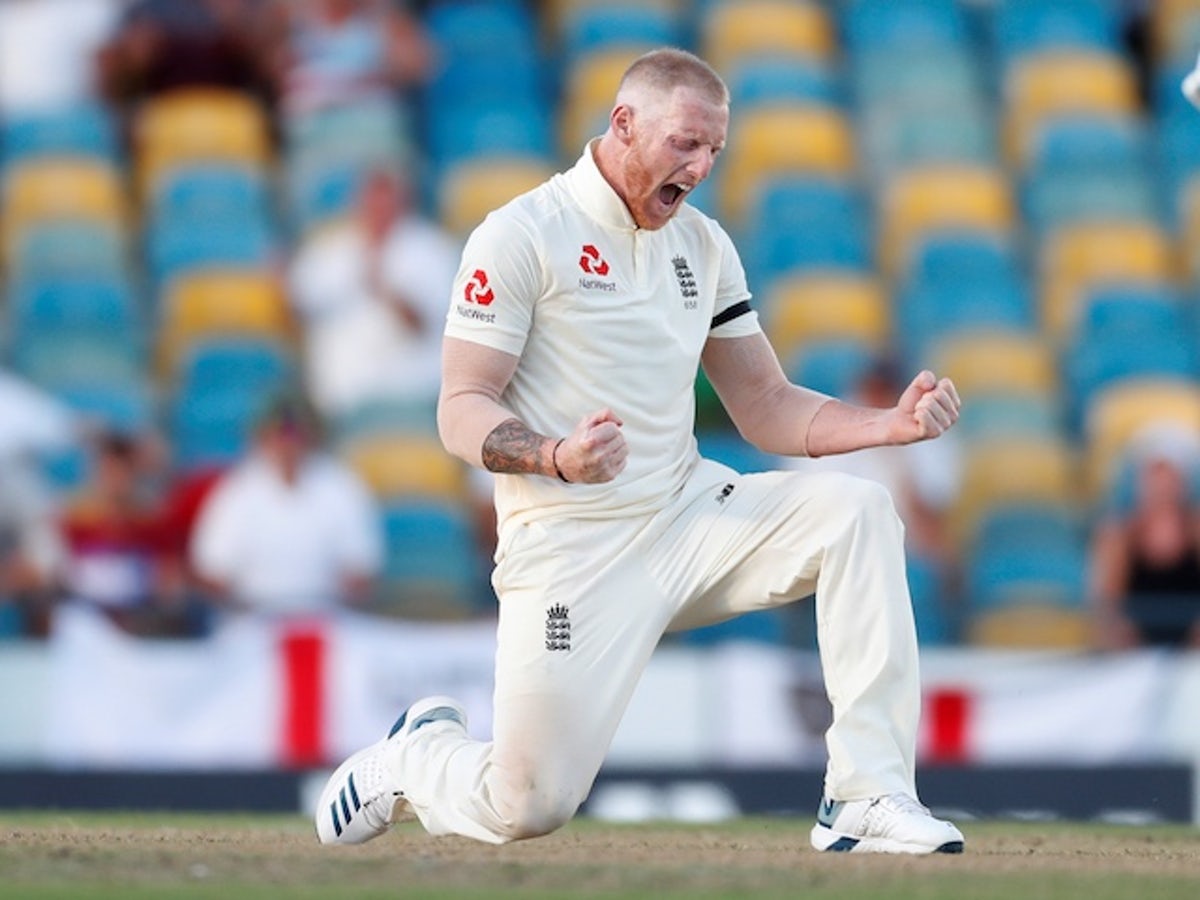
(671, 194)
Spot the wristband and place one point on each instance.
(554, 459)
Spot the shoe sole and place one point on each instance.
(828, 841)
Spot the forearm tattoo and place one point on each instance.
(513, 448)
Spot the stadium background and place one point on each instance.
(1004, 191)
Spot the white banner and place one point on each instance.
(264, 694)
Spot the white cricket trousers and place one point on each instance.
(583, 603)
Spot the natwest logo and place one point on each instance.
(592, 262)
(477, 290)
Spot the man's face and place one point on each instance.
(672, 146)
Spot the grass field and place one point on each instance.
(94, 856)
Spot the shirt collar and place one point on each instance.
(593, 192)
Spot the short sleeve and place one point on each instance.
(732, 314)
(497, 285)
(217, 539)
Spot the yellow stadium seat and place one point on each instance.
(802, 308)
(1044, 85)
(216, 302)
(998, 362)
(1081, 257)
(49, 189)
(199, 124)
(1117, 413)
(1007, 470)
(407, 464)
(925, 200)
(1031, 625)
(773, 140)
(472, 189)
(732, 32)
(591, 87)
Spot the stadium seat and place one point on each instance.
(1174, 31)
(202, 191)
(1027, 551)
(773, 80)
(56, 189)
(1080, 258)
(81, 304)
(469, 190)
(198, 125)
(798, 223)
(833, 366)
(998, 362)
(1027, 27)
(936, 77)
(220, 303)
(801, 309)
(631, 26)
(179, 247)
(78, 248)
(1044, 86)
(1118, 413)
(926, 313)
(1052, 200)
(1012, 470)
(901, 136)
(80, 131)
(733, 32)
(989, 416)
(767, 142)
(920, 203)
(518, 126)
(916, 26)
(376, 418)
(223, 386)
(1031, 625)
(433, 566)
(407, 464)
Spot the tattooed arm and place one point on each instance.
(475, 426)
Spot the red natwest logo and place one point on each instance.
(592, 262)
(477, 290)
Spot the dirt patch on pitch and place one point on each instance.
(277, 857)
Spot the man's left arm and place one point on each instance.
(787, 419)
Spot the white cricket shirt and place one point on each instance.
(601, 314)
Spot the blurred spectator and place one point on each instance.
(118, 555)
(1146, 552)
(289, 530)
(48, 51)
(166, 44)
(924, 480)
(340, 52)
(33, 427)
(373, 297)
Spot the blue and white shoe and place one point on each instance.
(362, 799)
(893, 823)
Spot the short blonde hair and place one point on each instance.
(661, 71)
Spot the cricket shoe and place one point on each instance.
(362, 799)
(893, 823)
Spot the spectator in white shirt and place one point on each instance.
(289, 530)
(373, 296)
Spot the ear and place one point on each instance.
(621, 123)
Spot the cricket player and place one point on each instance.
(580, 314)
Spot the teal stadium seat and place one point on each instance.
(1022, 27)
(87, 130)
(433, 566)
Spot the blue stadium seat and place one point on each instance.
(798, 223)
(81, 131)
(121, 406)
(222, 389)
(181, 245)
(1127, 332)
(1016, 415)
(927, 312)
(607, 26)
(1031, 26)
(78, 304)
(76, 248)
(833, 367)
(904, 134)
(1092, 143)
(1051, 199)
(782, 79)
(914, 24)
(211, 191)
(520, 126)
(1027, 552)
(949, 76)
(432, 564)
